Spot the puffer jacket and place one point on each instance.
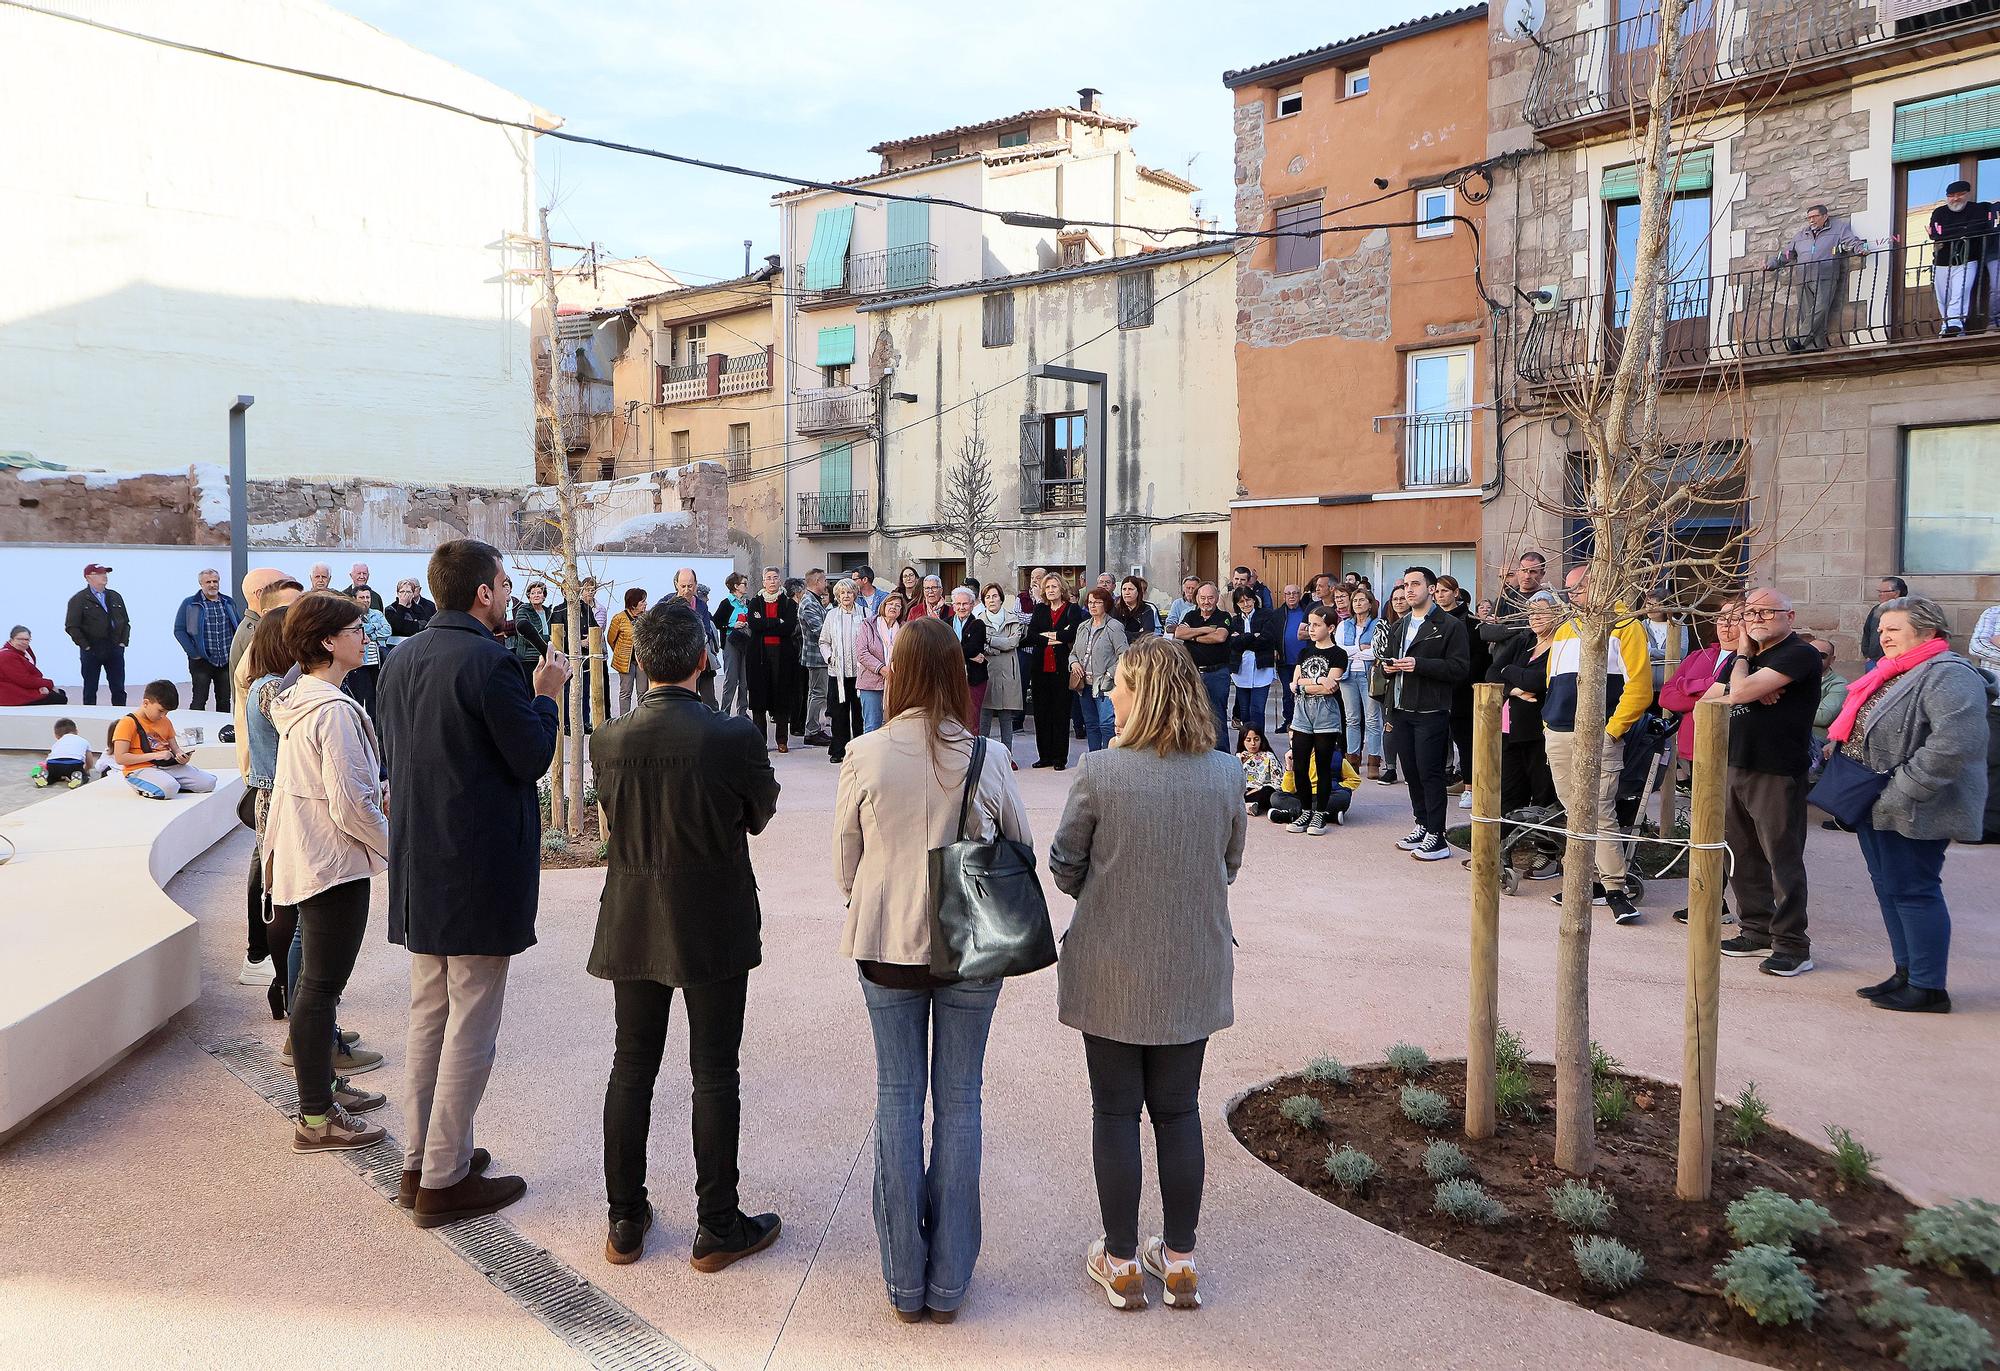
(618, 641)
(872, 647)
(326, 825)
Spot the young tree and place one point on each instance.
(966, 512)
(549, 400)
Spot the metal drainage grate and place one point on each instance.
(600, 1328)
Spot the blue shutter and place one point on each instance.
(1696, 172)
(826, 262)
(836, 346)
(1966, 122)
(909, 244)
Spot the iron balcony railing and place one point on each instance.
(1742, 45)
(716, 375)
(833, 511)
(840, 409)
(1871, 297)
(1063, 496)
(1437, 448)
(876, 273)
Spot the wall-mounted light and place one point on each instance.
(904, 396)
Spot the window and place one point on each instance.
(1951, 504)
(1437, 425)
(996, 320)
(1435, 205)
(1299, 253)
(607, 468)
(1072, 247)
(739, 449)
(1688, 236)
(1135, 301)
(1919, 190)
(694, 344)
(944, 150)
(826, 261)
(1291, 100)
(1353, 83)
(834, 376)
(1014, 138)
(1066, 443)
(683, 447)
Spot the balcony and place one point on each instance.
(1869, 310)
(839, 409)
(1437, 447)
(1586, 83)
(876, 273)
(714, 376)
(833, 512)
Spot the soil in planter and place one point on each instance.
(1682, 1243)
(581, 851)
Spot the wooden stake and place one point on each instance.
(558, 808)
(1695, 1167)
(600, 676)
(1483, 1011)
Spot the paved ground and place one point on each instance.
(16, 790)
(159, 1215)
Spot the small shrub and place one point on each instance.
(1444, 1159)
(1946, 1340)
(1351, 1168)
(1510, 1052)
(1769, 1216)
(1751, 1118)
(604, 851)
(1852, 1162)
(1467, 1201)
(1327, 1071)
(1607, 1263)
(1514, 1094)
(1956, 1236)
(1602, 1064)
(1303, 1111)
(590, 796)
(1896, 1301)
(1424, 1107)
(553, 841)
(1578, 1204)
(1769, 1284)
(1614, 1103)
(1407, 1059)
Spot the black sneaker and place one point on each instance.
(1785, 964)
(1388, 777)
(1597, 896)
(1681, 915)
(1413, 840)
(753, 1233)
(627, 1240)
(1623, 911)
(1743, 945)
(1435, 848)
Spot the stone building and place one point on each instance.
(1870, 442)
(1362, 355)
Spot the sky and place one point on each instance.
(805, 89)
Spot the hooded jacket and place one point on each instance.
(326, 825)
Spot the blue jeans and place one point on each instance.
(1216, 683)
(927, 1216)
(1098, 719)
(1286, 700)
(1908, 877)
(1364, 717)
(871, 710)
(1250, 704)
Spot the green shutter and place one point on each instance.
(1966, 122)
(1697, 172)
(836, 346)
(909, 244)
(836, 484)
(826, 263)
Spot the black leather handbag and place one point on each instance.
(988, 914)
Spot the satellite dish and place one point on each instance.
(1523, 18)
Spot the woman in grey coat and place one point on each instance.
(1004, 699)
(1147, 962)
(1919, 717)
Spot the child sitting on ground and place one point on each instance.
(1260, 769)
(145, 744)
(69, 760)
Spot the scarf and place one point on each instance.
(1886, 670)
(994, 620)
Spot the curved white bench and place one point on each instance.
(97, 957)
(31, 728)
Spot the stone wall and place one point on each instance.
(1789, 157)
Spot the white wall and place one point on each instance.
(154, 580)
(182, 229)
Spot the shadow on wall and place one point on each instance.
(141, 379)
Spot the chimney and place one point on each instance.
(1086, 99)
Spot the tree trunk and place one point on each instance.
(1576, 1104)
(570, 817)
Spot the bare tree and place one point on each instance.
(966, 513)
(549, 400)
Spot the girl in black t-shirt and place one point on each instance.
(1319, 726)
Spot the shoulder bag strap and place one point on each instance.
(972, 770)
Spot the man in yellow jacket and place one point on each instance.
(1628, 689)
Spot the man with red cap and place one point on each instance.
(100, 627)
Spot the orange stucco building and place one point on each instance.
(1363, 355)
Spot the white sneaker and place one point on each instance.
(256, 973)
(1414, 840)
(1124, 1282)
(1181, 1281)
(1465, 800)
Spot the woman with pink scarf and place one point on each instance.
(1919, 719)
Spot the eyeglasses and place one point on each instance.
(355, 628)
(1758, 616)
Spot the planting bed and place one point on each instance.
(1678, 1295)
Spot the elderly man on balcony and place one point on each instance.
(1814, 255)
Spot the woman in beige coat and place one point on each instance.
(325, 837)
(899, 797)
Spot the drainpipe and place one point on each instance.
(790, 335)
(239, 496)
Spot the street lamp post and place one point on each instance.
(1095, 482)
(239, 498)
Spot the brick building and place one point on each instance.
(1872, 431)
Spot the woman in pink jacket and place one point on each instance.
(872, 647)
(325, 837)
(1698, 671)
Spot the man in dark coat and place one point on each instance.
(98, 623)
(772, 659)
(683, 788)
(466, 740)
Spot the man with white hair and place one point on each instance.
(203, 626)
(357, 576)
(321, 577)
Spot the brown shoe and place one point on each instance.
(341, 1132)
(783, 748)
(469, 1199)
(1374, 767)
(406, 1193)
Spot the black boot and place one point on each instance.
(626, 1242)
(1888, 987)
(751, 1233)
(1915, 1000)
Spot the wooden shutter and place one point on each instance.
(1297, 254)
(1135, 299)
(826, 263)
(1966, 122)
(1693, 171)
(836, 346)
(1034, 462)
(909, 244)
(996, 321)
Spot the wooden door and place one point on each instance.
(1282, 566)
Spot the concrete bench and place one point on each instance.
(30, 728)
(97, 957)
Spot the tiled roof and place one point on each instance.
(974, 155)
(1096, 118)
(1167, 178)
(759, 277)
(1374, 38)
(1029, 278)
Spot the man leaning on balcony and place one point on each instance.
(1959, 230)
(1814, 255)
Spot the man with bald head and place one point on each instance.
(687, 589)
(1773, 693)
(263, 591)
